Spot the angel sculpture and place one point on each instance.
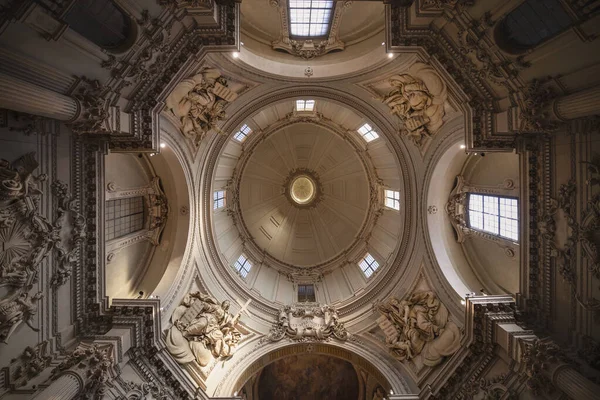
(14, 312)
(202, 328)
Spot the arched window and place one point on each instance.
(530, 24)
(101, 22)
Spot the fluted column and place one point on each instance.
(21, 96)
(585, 103)
(573, 384)
(66, 387)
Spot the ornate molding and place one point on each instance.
(93, 362)
(307, 322)
(537, 360)
(29, 364)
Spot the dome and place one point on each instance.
(304, 195)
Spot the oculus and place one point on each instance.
(303, 188)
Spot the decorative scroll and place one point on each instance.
(202, 329)
(418, 326)
(303, 322)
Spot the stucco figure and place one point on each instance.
(417, 98)
(422, 328)
(15, 312)
(202, 329)
(199, 103)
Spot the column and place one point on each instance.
(585, 103)
(573, 384)
(66, 387)
(25, 97)
(541, 361)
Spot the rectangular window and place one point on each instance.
(242, 133)
(218, 199)
(306, 293)
(305, 105)
(368, 265)
(310, 18)
(392, 199)
(123, 216)
(494, 214)
(367, 133)
(243, 265)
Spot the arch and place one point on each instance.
(103, 23)
(388, 372)
(530, 24)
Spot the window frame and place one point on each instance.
(304, 110)
(242, 266)
(242, 133)
(306, 298)
(499, 216)
(385, 197)
(511, 46)
(216, 200)
(309, 37)
(369, 265)
(114, 219)
(370, 131)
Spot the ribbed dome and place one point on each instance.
(304, 195)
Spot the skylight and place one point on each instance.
(310, 18)
(367, 132)
(242, 133)
(368, 265)
(243, 265)
(305, 105)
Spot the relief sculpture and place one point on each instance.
(308, 321)
(418, 327)
(199, 103)
(202, 329)
(26, 239)
(418, 98)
